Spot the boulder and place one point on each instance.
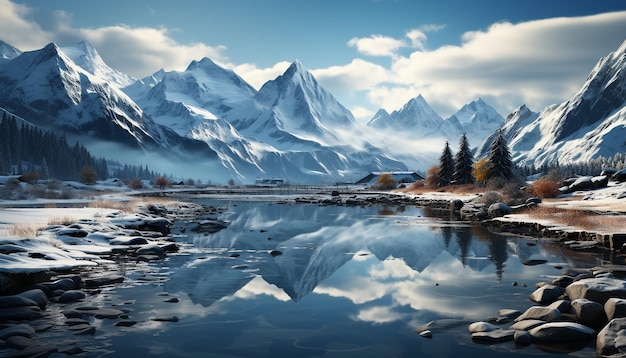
(498, 209)
(103, 281)
(21, 313)
(71, 296)
(599, 182)
(22, 329)
(605, 341)
(582, 183)
(615, 308)
(541, 313)
(597, 289)
(564, 306)
(36, 295)
(16, 301)
(526, 325)
(482, 327)
(495, 336)
(456, 204)
(619, 176)
(546, 294)
(589, 313)
(555, 332)
(522, 338)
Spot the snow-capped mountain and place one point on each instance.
(591, 124)
(8, 52)
(478, 120)
(287, 129)
(84, 55)
(296, 107)
(417, 118)
(48, 88)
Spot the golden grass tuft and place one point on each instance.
(61, 220)
(581, 219)
(24, 231)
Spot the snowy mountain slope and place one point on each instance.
(8, 52)
(514, 124)
(84, 55)
(590, 124)
(49, 89)
(478, 120)
(417, 118)
(296, 105)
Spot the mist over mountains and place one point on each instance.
(207, 122)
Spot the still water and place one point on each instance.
(345, 282)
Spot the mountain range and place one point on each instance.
(207, 122)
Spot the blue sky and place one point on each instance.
(370, 54)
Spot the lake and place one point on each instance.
(340, 282)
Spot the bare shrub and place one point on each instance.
(135, 184)
(24, 231)
(545, 188)
(386, 181)
(64, 220)
(161, 182)
(490, 197)
(432, 177)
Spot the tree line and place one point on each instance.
(29, 151)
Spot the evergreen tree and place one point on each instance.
(463, 163)
(446, 166)
(499, 156)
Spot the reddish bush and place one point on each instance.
(545, 188)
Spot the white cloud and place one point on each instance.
(258, 76)
(537, 63)
(18, 30)
(377, 45)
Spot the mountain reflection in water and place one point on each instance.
(350, 281)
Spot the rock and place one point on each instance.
(620, 341)
(66, 284)
(605, 341)
(554, 332)
(589, 313)
(533, 201)
(522, 338)
(129, 241)
(563, 281)
(619, 176)
(125, 323)
(20, 342)
(564, 306)
(276, 253)
(496, 336)
(456, 204)
(526, 325)
(21, 313)
(534, 262)
(75, 321)
(91, 330)
(103, 281)
(71, 296)
(541, 313)
(597, 289)
(36, 295)
(615, 308)
(482, 327)
(152, 249)
(582, 183)
(166, 319)
(426, 334)
(100, 313)
(171, 300)
(498, 209)
(546, 294)
(22, 329)
(16, 301)
(599, 182)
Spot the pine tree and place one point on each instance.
(446, 166)
(463, 163)
(499, 156)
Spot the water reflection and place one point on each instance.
(404, 257)
(350, 281)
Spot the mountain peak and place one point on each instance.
(8, 52)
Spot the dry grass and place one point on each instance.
(61, 220)
(24, 231)
(581, 219)
(132, 205)
(453, 189)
